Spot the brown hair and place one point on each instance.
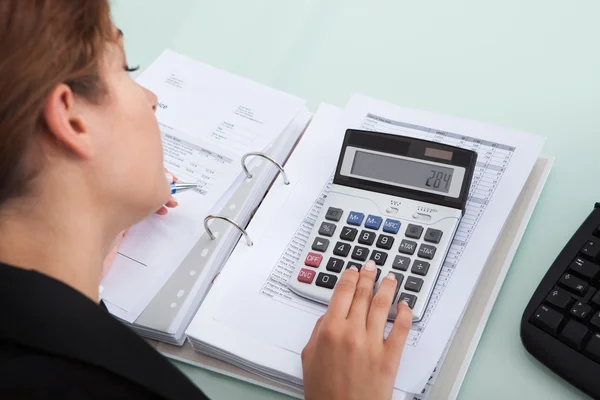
(44, 43)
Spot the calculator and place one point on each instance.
(395, 200)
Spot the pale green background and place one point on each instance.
(533, 65)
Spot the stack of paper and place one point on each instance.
(251, 319)
(209, 120)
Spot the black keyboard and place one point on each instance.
(561, 324)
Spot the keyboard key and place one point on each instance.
(596, 299)
(433, 235)
(595, 321)
(547, 319)
(373, 222)
(413, 284)
(379, 257)
(574, 284)
(414, 231)
(348, 233)
(585, 268)
(360, 253)
(327, 229)
(326, 280)
(592, 250)
(420, 267)
(401, 263)
(574, 334)
(334, 214)
(426, 251)
(320, 244)
(581, 311)
(355, 218)
(411, 299)
(313, 260)
(341, 249)
(385, 242)
(559, 298)
(306, 275)
(334, 265)
(354, 264)
(592, 350)
(367, 237)
(391, 226)
(407, 247)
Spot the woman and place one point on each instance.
(75, 132)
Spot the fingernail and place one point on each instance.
(391, 276)
(405, 303)
(370, 266)
(353, 268)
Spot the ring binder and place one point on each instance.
(265, 156)
(232, 222)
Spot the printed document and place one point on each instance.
(208, 119)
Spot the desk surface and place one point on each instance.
(532, 65)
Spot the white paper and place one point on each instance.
(271, 314)
(208, 120)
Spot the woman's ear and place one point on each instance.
(66, 123)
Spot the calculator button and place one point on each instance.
(313, 260)
(574, 334)
(367, 237)
(407, 247)
(373, 222)
(592, 349)
(355, 218)
(334, 265)
(334, 214)
(585, 268)
(354, 264)
(306, 275)
(391, 226)
(420, 268)
(385, 242)
(379, 257)
(426, 251)
(378, 273)
(360, 253)
(327, 229)
(581, 310)
(413, 284)
(401, 263)
(574, 284)
(414, 231)
(348, 233)
(592, 249)
(399, 279)
(411, 299)
(320, 244)
(326, 280)
(341, 249)
(559, 298)
(547, 319)
(433, 235)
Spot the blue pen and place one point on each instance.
(182, 187)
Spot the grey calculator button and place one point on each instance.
(385, 242)
(366, 237)
(426, 251)
(414, 231)
(413, 284)
(327, 229)
(433, 235)
(379, 257)
(326, 280)
(348, 233)
(354, 264)
(360, 253)
(320, 244)
(341, 249)
(335, 265)
(401, 263)
(411, 299)
(399, 279)
(334, 214)
(407, 247)
(420, 267)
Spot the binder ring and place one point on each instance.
(266, 156)
(232, 222)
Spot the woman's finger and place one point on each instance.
(364, 293)
(397, 337)
(380, 305)
(342, 296)
(172, 203)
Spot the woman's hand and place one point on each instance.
(347, 356)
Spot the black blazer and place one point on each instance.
(55, 343)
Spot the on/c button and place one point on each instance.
(421, 216)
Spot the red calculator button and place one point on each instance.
(313, 260)
(306, 275)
